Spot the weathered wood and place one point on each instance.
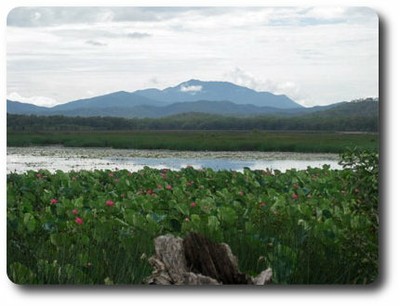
(196, 260)
(170, 252)
(263, 278)
(212, 259)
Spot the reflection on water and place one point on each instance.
(52, 160)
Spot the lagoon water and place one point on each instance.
(55, 158)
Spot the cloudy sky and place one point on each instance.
(314, 55)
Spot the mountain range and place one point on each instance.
(193, 96)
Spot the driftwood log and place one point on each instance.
(196, 260)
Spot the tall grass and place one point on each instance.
(200, 140)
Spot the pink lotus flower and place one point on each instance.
(168, 187)
(78, 220)
(110, 203)
(53, 201)
(74, 211)
(295, 196)
(193, 204)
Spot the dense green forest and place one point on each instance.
(198, 121)
(283, 141)
(357, 115)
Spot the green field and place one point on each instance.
(333, 142)
(316, 226)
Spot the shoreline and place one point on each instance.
(107, 152)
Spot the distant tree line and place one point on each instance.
(194, 121)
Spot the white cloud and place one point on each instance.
(326, 12)
(288, 88)
(191, 88)
(36, 16)
(246, 79)
(95, 43)
(62, 54)
(137, 35)
(40, 101)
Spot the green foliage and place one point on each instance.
(362, 176)
(310, 227)
(365, 174)
(349, 116)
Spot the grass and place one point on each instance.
(322, 142)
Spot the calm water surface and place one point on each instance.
(59, 158)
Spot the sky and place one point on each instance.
(314, 55)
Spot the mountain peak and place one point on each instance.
(193, 82)
(209, 93)
(208, 83)
(195, 90)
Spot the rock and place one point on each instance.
(196, 260)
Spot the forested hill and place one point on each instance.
(219, 98)
(361, 115)
(356, 108)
